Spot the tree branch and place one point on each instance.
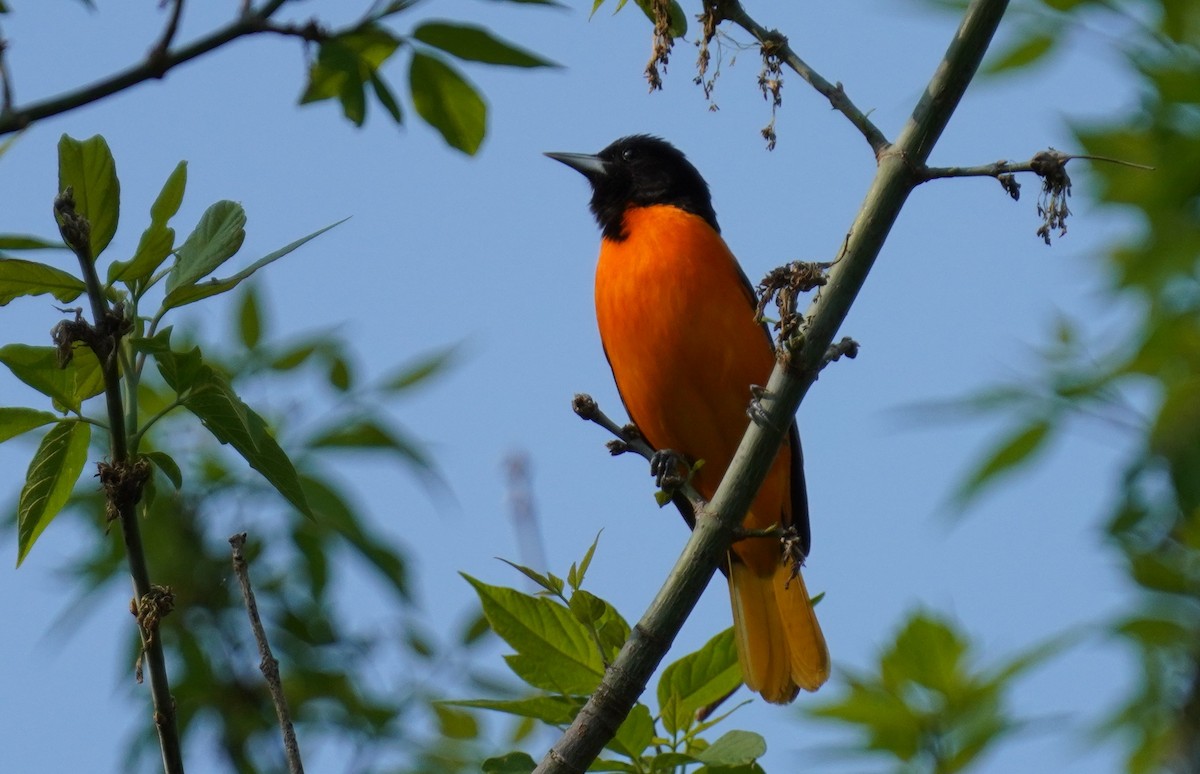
(795, 372)
(123, 480)
(269, 665)
(733, 11)
(155, 65)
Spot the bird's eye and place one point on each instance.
(629, 154)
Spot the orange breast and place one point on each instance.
(677, 323)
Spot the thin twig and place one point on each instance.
(998, 168)
(733, 11)
(159, 52)
(6, 91)
(522, 510)
(151, 67)
(269, 665)
(793, 375)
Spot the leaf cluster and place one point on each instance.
(564, 637)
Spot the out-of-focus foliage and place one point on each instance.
(1155, 522)
(927, 705)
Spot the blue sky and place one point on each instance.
(497, 252)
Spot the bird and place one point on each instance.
(679, 325)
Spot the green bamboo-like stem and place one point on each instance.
(895, 178)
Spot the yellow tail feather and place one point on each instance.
(779, 641)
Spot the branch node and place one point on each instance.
(123, 484)
(847, 347)
(785, 284)
(1051, 166)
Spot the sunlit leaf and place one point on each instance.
(445, 101)
(29, 278)
(15, 421)
(52, 474)
(189, 293)
(513, 763)
(734, 748)
(697, 680)
(38, 367)
(216, 238)
(87, 167)
(554, 710)
(476, 44)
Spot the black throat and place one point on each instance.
(641, 171)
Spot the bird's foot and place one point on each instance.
(756, 411)
(670, 470)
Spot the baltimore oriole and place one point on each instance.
(677, 320)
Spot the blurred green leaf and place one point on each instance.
(249, 319)
(222, 412)
(455, 724)
(52, 474)
(88, 168)
(422, 369)
(1016, 449)
(447, 102)
(15, 421)
(216, 238)
(513, 763)
(189, 293)
(345, 63)
(28, 278)
(168, 466)
(1026, 51)
(476, 44)
(26, 242)
(38, 367)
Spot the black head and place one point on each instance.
(639, 171)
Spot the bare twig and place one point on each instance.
(6, 91)
(732, 10)
(269, 665)
(625, 680)
(159, 52)
(522, 510)
(153, 66)
(998, 168)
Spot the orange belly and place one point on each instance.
(678, 326)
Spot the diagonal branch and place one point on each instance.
(895, 179)
(155, 65)
(732, 10)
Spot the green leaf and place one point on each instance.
(421, 369)
(635, 734)
(28, 278)
(216, 238)
(735, 748)
(554, 651)
(542, 580)
(157, 240)
(16, 421)
(250, 319)
(552, 710)
(1026, 52)
(166, 463)
(67, 387)
(384, 94)
(189, 294)
(166, 204)
(476, 44)
(369, 434)
(448, 103)
(344, 63)
(48, 483)
(222, 412)
(678, 26)
(454, 724)
(697, 680)
(26, 242)
(155, 245)
(513, 763)
(88, 168)
(1017, 448)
